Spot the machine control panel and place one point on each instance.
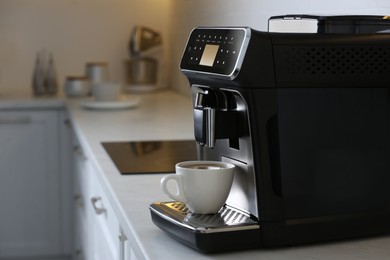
(215, 50)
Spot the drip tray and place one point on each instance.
(150, 156)
(227, 219)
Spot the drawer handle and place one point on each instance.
(77, 149)
(98, 210)
(78, 200)
(67, 123)
(122, 237)
(16, 120)
(79, 254)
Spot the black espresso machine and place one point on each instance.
(305, 118)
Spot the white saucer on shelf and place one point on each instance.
(141, 88)
(122, 103)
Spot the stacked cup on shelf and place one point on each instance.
(96, 82)
(102, 88)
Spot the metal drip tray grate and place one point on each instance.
(227, 219)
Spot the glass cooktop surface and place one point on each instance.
(150, 156)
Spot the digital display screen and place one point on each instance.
(214, 50)
(209, 54)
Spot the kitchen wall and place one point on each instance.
(79, 31)
(76, 31)
(255, 13)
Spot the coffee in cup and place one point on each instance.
(202, 185)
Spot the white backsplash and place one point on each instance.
(75, 31)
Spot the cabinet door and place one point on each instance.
(105, 241)
(29, 183)
(125, 250)
(97, 228)
(83, 211)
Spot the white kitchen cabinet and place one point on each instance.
(97, 229)
(126, 251)
(33, 218)
(83, 230)
(105, 225)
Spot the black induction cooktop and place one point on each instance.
(150, 156)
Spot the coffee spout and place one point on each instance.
(211, 124)
(205, 126)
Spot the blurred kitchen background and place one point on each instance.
(80, 31)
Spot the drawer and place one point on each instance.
(104, 218)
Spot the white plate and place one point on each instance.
(111, 105)
(141, 88)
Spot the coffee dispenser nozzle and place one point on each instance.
(212, 122)
(204, 118)
(205, 126)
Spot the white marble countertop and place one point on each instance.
(168, 116)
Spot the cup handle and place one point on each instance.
(179, 196)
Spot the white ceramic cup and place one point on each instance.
(202, 185)
(106, 91)
(77, 86)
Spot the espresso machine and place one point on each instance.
(305, 118)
